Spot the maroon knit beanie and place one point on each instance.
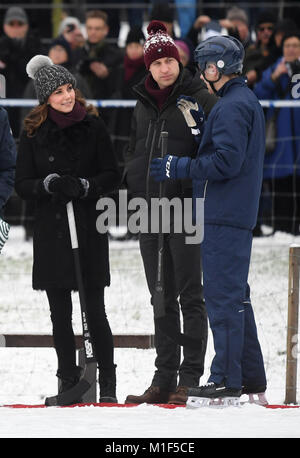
(159, 44)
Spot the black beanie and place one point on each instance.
(135, 35)
(162, 12)
(265, 17)
(47, 76)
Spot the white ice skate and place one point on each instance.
(213, 395)
(194, 402)
(257, 398)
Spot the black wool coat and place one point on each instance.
(83, 150)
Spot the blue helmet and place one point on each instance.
(225, 51)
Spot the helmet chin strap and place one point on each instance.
(211, 83)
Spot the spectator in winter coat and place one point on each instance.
(17, 46)
(282, 164)
(156, 111)
(65, 153)
(227, 172)
(236, 24)
(128, 74)
(99, 59)
(8, 156)
(264, 51)
(163, 12)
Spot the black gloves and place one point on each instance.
(65, 188)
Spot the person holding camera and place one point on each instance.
(281, 166)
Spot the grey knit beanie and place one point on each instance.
(47, 76)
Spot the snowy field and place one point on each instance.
(27, 376)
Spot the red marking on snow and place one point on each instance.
(281, 406)
(88, 404)
(103, 404)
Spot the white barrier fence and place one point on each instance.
(131, 103)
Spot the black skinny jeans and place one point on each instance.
(60, 303)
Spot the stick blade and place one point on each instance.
(71, 396)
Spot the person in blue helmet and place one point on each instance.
(227, 173)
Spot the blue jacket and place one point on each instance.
(8, 155)
(228, 168)
(281, 161)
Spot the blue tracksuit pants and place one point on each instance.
(238, 358)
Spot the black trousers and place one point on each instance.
(182, 279)
(60, 303)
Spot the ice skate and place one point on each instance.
(213, 395)
(256, 395)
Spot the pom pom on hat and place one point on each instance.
(36, 63)
(159, 44)
(156, 26)
(47, 76)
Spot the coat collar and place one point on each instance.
(238, 81)
(186, 79)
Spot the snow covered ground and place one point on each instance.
(28, 375)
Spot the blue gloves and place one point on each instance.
(192, 112)
(170, 167)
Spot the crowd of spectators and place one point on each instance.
(89, 46)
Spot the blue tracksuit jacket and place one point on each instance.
(228, 173)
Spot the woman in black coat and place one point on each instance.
(65, 153)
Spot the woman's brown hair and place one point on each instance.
(39, 114)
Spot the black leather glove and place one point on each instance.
(66, 188)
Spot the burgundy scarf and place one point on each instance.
(159, 95)
(131, 66)
(67, 119)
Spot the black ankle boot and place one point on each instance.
(67, 381)
(107, 382)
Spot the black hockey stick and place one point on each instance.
(88, 377)
(158, 296)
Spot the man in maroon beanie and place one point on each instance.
(156, 111)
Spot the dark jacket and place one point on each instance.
(229, 167)
(15, 54)
(8, 155)
(258, 60)
(109, 55)
(120, 118)
(83, 150)
(147, 124)
(286, 155)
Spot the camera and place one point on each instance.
(70, 28)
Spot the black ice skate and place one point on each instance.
(213, 395)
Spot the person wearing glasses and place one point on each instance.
(17, 45)
(264, 51)
(280, 81)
